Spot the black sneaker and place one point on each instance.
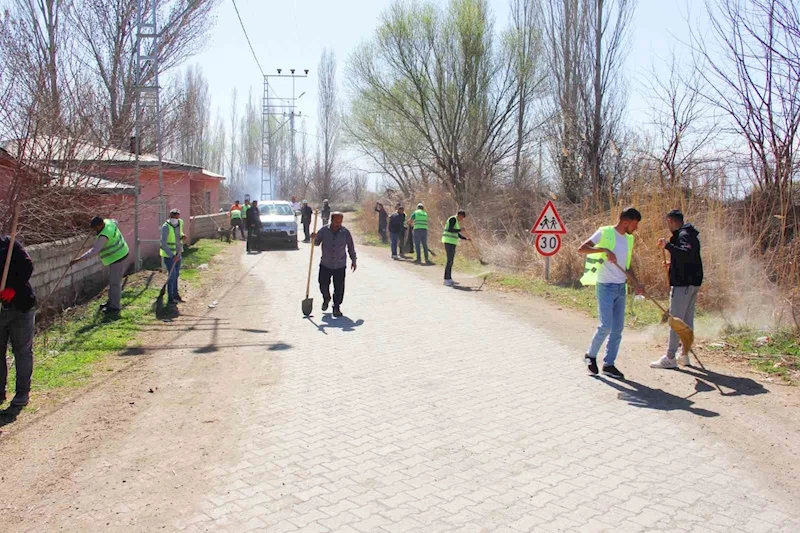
(179, 299)
(337, 312)
(20, 400)
(325, 304)
(612, 372)
(591, 364)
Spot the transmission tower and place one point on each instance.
(148, 108)
(284, 107)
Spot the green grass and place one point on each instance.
(66, 352)
(197, 254)
(780, 356)
(638, 313)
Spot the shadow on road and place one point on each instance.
(638, 395)
(344, 323)
(738, 386)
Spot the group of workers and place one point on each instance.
(247, 216)
(417, 226)
(18, 299)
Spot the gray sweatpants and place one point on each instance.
(17, 327)
(115, 271)
(681, 305)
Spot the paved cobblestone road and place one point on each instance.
(422, 411)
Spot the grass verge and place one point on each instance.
(776, 353)
(198, 254)
(67, 351)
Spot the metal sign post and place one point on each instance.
(547, 234)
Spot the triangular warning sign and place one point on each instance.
(549, 221)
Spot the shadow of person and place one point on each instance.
(738, 386)
(9, 414)
(344, 323)
(649, 398)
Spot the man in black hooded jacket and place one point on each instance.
(685, 278)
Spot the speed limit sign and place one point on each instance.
(548, 244)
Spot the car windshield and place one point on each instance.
(276, 209)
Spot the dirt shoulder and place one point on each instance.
(47, 454)
(742, 408)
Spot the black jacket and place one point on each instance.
(19, 274)
(253, 217)
(686, 267)
(305, 214)
(397, 222)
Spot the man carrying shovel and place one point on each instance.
(608, 258)
(337, 243)
(685, 278)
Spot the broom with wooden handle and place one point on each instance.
(681, 328)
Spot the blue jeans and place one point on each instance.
(172, 282)
(611, 308)
(396, 240)
(421, 242)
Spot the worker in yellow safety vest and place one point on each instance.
(172, 239)
(237, 219)
(110, 245)
(608, 265)
(419, 221)
(450, 237)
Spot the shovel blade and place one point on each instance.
(307, 305)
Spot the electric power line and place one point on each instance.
(247, 37)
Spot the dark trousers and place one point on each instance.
(325, 275)
(237, 223)
(382, 233)
(397, 238)
(451, 257)
(253, 233)
(306, 224)
(18, 327)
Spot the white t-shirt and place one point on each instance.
(609, 273)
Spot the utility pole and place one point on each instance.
(284, 107)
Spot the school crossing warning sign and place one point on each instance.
(549, 221)
(548, 230)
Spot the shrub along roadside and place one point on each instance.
(67, 350)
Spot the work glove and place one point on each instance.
(7, 294)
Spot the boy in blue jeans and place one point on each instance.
(608, 257)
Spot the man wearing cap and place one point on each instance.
(253, 228)
(172, 239)
(110, 245)
(337, 243)
(305, 218)
(17, 320)
(685, 277)
(326, 212)
(419, 221)
(397, 224)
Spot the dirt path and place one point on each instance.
(425, 409)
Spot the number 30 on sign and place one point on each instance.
(548, 244)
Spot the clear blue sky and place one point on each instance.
(292, 34)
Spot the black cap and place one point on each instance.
(96, 221)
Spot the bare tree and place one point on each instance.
(358, 187)
(329, 126)
(441, 75)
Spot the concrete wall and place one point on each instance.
(205, 226)
(49, 261)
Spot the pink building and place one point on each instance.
(190, 188)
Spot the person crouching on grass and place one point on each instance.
(608, 257)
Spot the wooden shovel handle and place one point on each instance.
(311, 257)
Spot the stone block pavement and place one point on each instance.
(422, 411)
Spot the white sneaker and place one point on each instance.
(448, 283)
(683, 360)
(394, 257)
(664, 362)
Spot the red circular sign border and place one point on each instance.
(554, 252)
